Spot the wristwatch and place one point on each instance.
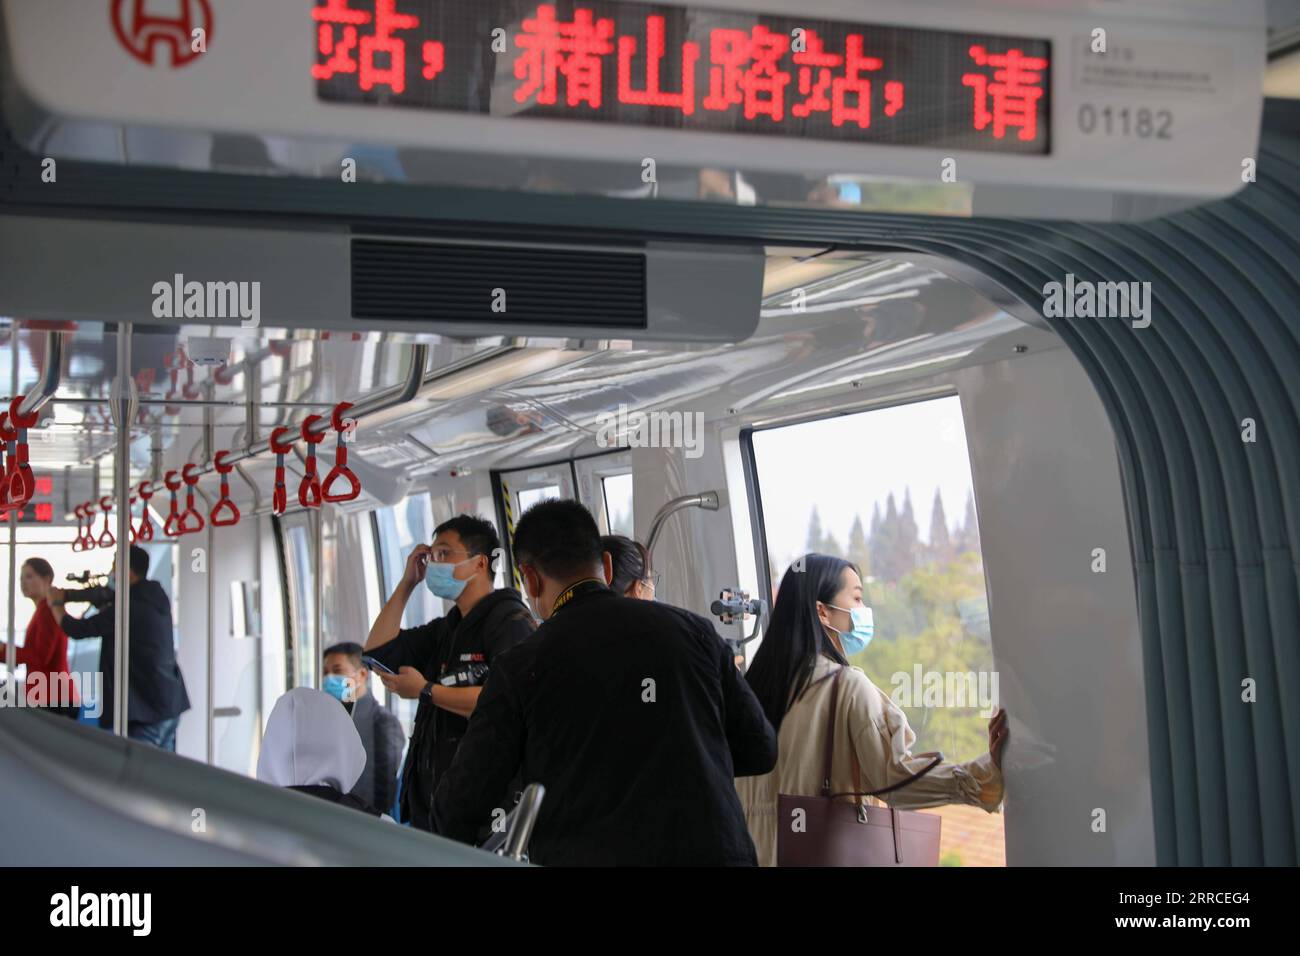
(427, 692)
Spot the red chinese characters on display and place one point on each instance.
(44, 485)
(744, 69)
(591, 59)
(850, 93)
(551, 48)
(652, 94)
(1013, 90)
(44, 511)
(376, 56)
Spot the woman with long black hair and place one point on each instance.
(817, 622)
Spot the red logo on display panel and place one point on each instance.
(144, 27)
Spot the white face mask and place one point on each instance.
(855, 641)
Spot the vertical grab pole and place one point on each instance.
(123, 405)
(212, 655)
(11, 645)
(210, 570)
(318, 535)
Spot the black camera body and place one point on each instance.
(96, 596)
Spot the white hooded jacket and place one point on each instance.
(310, 741)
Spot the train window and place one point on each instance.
(618, 503)
(299, 555)
(530, 496)
(355, 586)
(852, 486)
(401, 528)
(368, 547)
(605, 487)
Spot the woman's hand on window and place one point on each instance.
(998, 736)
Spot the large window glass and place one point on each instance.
(401, 528)
(891, 490)
(300, 557)
(530, 496)
(618, 503)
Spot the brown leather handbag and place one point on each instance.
(833, 833)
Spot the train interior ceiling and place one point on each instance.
(880, 385)
(876, 332)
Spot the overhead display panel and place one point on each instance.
(1069, 109)
(689, 68)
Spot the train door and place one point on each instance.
(903, 511)
(519, 490)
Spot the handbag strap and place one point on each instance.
(830, 734)
(830, 750)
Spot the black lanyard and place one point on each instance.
(585, 586)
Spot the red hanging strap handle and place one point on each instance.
(341, 469)
(309, 488)
(10, 436)
(145, 531)
(106, 539)
(224, 470)
(171, 527)
(22, 484)
(191, 520)
(77, 544)
(280, 497)
(88, 538)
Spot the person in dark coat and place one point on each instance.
(629, 713)
(444, 663)
(347, 679)
(157, 695)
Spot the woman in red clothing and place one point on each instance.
(45, 651)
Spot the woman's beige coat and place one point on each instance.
(877, 730)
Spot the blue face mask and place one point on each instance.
(864, 629)
(338, 686)
(442, 581)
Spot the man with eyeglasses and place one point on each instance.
(445, 662)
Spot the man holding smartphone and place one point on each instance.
(347, 678)
(445, 662)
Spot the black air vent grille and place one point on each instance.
(436, 282)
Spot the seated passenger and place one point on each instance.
(444, 663)
(817, 623)
(348, 679)
(311, 746)
(630, 563)
(45, 647)
(629, 713)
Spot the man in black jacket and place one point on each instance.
(630, 713)
(444, 663)
(157, 696)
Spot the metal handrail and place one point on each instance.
(48, 383)
(391, 398)
(708, 500)
(525, 815)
